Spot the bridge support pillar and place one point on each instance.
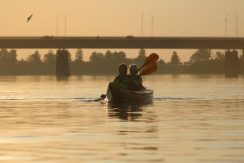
(62, 63)
(232, 66)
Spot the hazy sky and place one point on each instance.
(121, 17)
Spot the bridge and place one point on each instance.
(127, 42)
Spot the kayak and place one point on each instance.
(118, 95)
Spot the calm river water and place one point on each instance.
(192, 119)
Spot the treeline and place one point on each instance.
(201, 61)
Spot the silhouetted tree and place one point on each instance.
(3, 55)
(109, 55)
(119, 57)
(78, 56)
(175, 60)
(69, 56)
(78, 67)
(8, 57)
(201, 55)
(141, 56)
(162, 67)
(49, 63)
(161, 62)
(8, 60)
(12, 57)
(201, 62)
(96, 57)
(216, 64)
(50, 58)
(219, 56)
(115, 57)
(34, 58)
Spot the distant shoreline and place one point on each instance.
(109, 74)
(203, 61)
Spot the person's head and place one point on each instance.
(133, 69)
(123, 69)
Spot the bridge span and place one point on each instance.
(127, 42)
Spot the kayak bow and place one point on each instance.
(118, 95)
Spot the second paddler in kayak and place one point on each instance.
(131, 81)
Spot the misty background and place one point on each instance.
(122, 18)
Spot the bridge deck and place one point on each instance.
(128, 42)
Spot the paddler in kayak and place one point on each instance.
(122, 79)
(132, 82)
(135, 81)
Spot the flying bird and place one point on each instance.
(29, 18)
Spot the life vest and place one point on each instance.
(121, 81)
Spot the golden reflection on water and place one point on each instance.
(192, 131)
(174, 128)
